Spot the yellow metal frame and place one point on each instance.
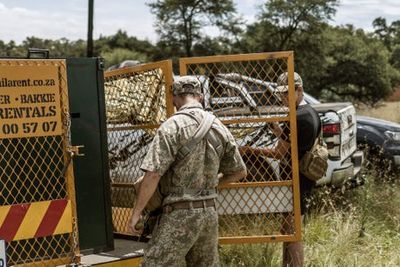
(70, 169)
(183, 62)
(165, 66)
(69, 174)
(121, 215)
(294, 183)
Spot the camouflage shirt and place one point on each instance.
(198, 170)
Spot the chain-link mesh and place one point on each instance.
(136, 104)
(34, 169)
(241, 91)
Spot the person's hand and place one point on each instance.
(276, 129)
(136, 225)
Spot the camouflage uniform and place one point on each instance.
(188, 234)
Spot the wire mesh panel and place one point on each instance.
(241, 91)
(37, 206)
(138, 100)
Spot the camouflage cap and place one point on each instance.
(283, 82)
(186, 85)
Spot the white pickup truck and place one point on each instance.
(338, 120)
(339, 131)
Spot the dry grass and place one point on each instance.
(360, 228)
(387, 110)
(352, 227)
(346, 227)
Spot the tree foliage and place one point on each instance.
(357, 67)
(336, 63)
(180, 22)
(118, 55)
(289, 18)
(294, 25)
(57, 48)
(121, 40)
(389, 34)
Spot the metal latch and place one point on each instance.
(75, 150)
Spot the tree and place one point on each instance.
(294, 25)
(341, 63)
(395, 57)
(119, 47)
(383, 31)
(179, 22)
(390, 36)
(212, 46)
(57, 48)
(357, 67)
(119, 55)
(291, 17)
(11, 50)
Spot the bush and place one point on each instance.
(118, 55)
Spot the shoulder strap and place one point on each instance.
(319, 138)
(316, 142)
(201, 131)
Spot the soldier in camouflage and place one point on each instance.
(188, 227)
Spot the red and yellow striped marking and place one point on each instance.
(38, 219)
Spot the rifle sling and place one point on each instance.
(201, 131)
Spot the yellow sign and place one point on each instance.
(30, 104)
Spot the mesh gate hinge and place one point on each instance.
(75, 150)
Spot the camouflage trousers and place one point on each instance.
(187, 235)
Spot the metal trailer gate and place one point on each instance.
(263, 207)
(239, 89)
(138, 100)
(37, 197)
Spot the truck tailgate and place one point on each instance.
(345, 115)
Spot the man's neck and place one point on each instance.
(188, 101)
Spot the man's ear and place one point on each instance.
(175, 100)
(300, 89)
(199, 97)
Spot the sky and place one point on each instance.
(55, 19)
